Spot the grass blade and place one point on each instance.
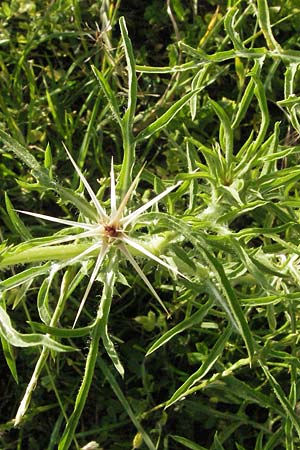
(213, 356)
(195, 319)
(187, 443)
(124, 402)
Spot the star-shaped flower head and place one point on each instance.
(108, 230)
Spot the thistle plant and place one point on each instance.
(98, 237)
(108, 236)
(213, 352)
(108, 231)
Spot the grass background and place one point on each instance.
(239, 217)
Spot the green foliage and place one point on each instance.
(188, 280)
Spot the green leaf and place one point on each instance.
(250, 394)
(230, 29)
(222, 301)
(265, 24)
(43, 299)
(260, 94)
(65, 333)
(282, 398)
(124, 402)
(21, 152)
(48, 160)
(226, 134)
(44, 180)
(187, 443)
(291, 101)
(245, 101)
(112, 101)
(166, 117)
(16, 221)
(24, 254)
(24, 276)
(167, 69)
(211, 359)
(217, 57)
(178, 9)
(132, 80)
(103, 314)
(17, 339)
(195, 319)
(10, 358)
(217, 445)
(233, 302)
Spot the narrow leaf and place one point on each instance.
(24, 276)
(282, 398)
(124, 402)
(132, 80)
(195, 319)
(187, 443)
(233, 303)
(27, 340)
(112, 101)
(265, 24)
(166, 117)
(16, 221)
(9, 358)
(211, 359)
(226, 134)
(22, 153)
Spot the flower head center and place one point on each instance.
(111, 231)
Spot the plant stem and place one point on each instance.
(64, 252)
(31, 386)
(70, 429)
(97, 333)
(128, 161)
(45, 351)
(128, 118)
(46, 253)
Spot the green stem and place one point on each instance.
(70, 429)
(128, 161)
(31, 386)
(128, 118)
(45, 352)
(97, 333)
(46, 253)
(65, 252)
